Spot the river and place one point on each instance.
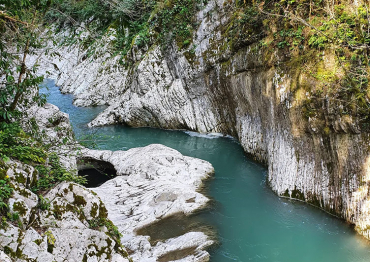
(251, 222)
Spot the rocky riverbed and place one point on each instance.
(152, 183)
(322, 160)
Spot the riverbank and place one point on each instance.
(250, 220)
(315, 149)
(151, 183)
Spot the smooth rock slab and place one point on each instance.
(153, 182)
(4, 257)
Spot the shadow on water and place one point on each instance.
(252, 223)
(177, 254)
(174, 226)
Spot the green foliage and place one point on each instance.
(88, 140)
(326, 45)
(6, 191)
(136, 22)
(44, 203)
(18, 30)
(13, 216)
(15, 143)
(342, 29)
(50, 237)
(175, 20)
(112, 229)
(346, 32)
(103, 15)
(245, 26)
(290, 37)
(53, 173)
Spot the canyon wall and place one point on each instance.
(211, 87)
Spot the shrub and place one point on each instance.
(53, 173)
(6, 191)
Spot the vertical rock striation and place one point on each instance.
(213, 88)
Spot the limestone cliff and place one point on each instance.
(213, 86)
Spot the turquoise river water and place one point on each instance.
(251, 222)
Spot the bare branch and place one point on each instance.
(74, 22)
(6, 16)
(131, 8)
(291, 16)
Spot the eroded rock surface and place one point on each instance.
(153, 183)
(72, 223)
(54, 129)
(219, 88)
(68, 224)
(4, 257)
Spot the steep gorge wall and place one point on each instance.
(212, 88)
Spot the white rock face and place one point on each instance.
(56, 131)
(63, 230)
(68, 66)
(153, 182)
(191, 240)
(4, 257)
(231, 92)
(156, 91)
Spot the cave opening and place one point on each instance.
(96, 172)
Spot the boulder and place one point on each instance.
(153, 183)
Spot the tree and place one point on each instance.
(20, 29)
(310, 33)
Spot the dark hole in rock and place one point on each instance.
(96, 172)
(174, 226)
(177, 254)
